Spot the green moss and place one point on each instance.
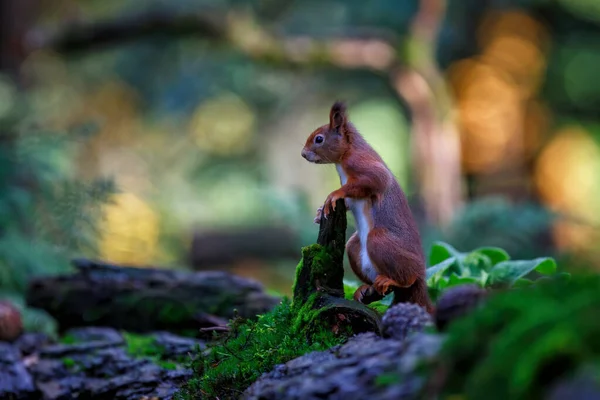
(317, 266)
(252, 348)
(379, 307)
(170, 365)
(305, 313)
(290, 330)
(298, 270)
(386, 379)
(522, 341)
(68, 362)
(321, 260)
(314, 257)
(145, 346)
(142, 345)
(68, 339)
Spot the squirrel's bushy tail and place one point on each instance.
(417, 294)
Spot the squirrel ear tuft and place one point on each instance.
(337, 116)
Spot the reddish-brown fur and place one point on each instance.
(393, 241)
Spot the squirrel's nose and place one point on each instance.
(304, 153)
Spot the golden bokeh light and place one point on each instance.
(568, 174)
(577, 237)
(536, 124)
(567, 178)
(488, 106)
(514, 22)
(500, 121)
(223, 125)
(522, 59)
(129, 231)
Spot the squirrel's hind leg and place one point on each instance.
(366, 293)
(353, 250)
(396, 266)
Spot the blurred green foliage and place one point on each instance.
(523, 341)
(47, 215)
(520, 229)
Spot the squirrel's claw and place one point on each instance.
(359, 294)
(366, 294)
(383, 284)
(330, 202)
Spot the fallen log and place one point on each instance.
(146, 299)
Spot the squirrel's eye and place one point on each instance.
(319, 139)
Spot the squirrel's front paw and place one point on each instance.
(383, 284)
(317, 219)
(366, 294)
(331, 200)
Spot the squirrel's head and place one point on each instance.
(328, 143)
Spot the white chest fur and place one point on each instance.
(359, 211)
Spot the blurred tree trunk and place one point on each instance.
(436, 141)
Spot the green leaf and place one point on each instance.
(437, 271)
(442, 283)
(495, 254)
(507, 273)
(456, 280)
(387, 300)
(434, 292)
(474, 263)
(523, 282)
(441, 251)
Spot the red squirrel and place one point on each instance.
(385, 252)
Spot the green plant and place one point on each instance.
(524, 340)
(488, 267)
(251, 348)
(380, 306)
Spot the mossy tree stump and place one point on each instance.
(319, 287)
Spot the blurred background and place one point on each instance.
(168, 133)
